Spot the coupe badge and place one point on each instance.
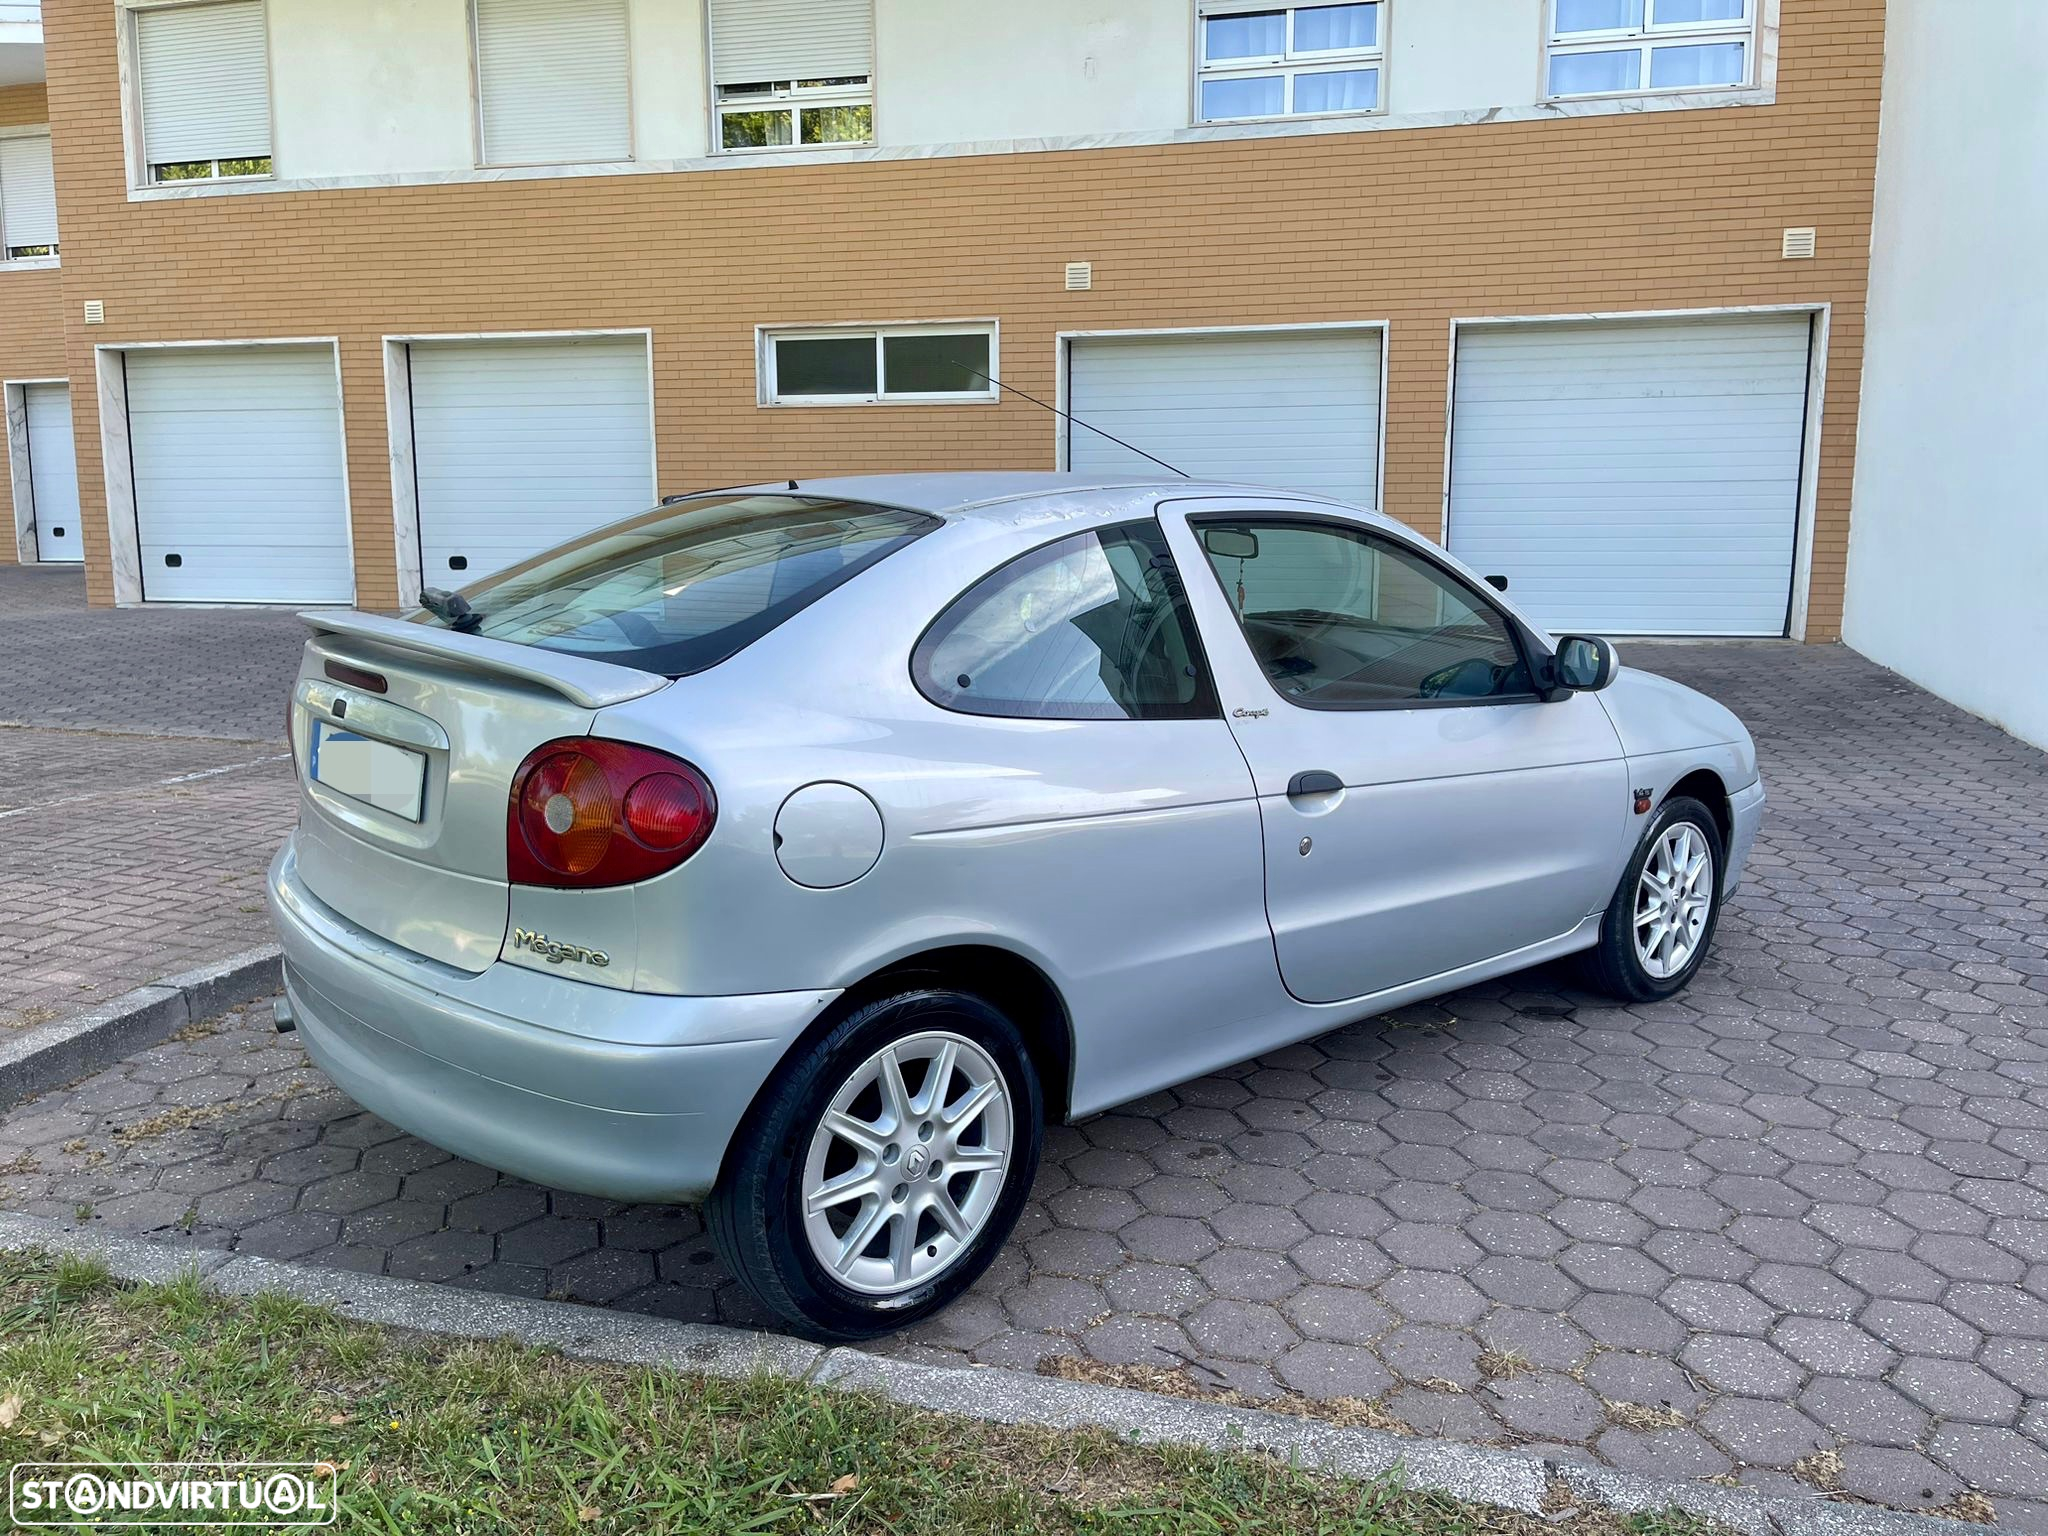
(554, 952)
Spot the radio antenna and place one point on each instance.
(1071, 419)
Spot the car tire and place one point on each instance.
(797, 1188)
(1641, 957)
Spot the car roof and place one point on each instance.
(964, 493)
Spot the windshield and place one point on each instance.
(681, 588)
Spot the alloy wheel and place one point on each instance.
(1673, 898)
(907, 1163)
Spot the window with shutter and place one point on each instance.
(552, 81)
(793, 74)
(28, 198)
(204, 90)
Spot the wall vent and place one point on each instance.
(1080, 274)
(1798, 245)
(95, 312)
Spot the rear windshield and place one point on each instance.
(683, 587)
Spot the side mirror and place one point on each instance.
(1584, 664)
(1231, 543)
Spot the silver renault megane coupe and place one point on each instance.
(806, 849)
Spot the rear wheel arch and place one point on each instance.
(1002, 978)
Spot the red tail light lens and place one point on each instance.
(587, 812)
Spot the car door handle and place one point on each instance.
(1313, 781)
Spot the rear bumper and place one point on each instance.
(619, 1094)
(1745, 815)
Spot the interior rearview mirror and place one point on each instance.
(1231, 543)
(1584, 664)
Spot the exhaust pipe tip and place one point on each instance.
(281, 1012)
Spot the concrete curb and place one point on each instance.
(1486, 1475)
(48, 1056)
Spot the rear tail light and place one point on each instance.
(588, 812)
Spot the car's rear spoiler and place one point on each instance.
(591, 684)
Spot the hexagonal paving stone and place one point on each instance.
(1340, 1260)
(602, 1276)
(347, 1192)
(1422, 1353)
(1547, 1406)
(1956, 1389)
(1863, 1412)
(1421, 1297)
(1169, 1239)
(1258, 1226)
(547, 1242)
(1068, 1251)
(1319, 1368)
(1149, 1341)
(1742, 1366)
(1100, 1210)
(291, 1235)
(1053, 1303)
(1839, 1349)
(1338, 1313)
(442, 1255)
(1248, 1275)
(1762, 1434)
(1240, 1330)
(1166, 1289)
(1999, 1461)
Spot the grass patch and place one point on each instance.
(440, 1436)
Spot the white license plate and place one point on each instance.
(375, 772)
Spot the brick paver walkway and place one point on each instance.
(143, 788)
(1791, 1227)
(165, 671)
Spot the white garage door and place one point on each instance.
(1297, 410)
(1634, 478)
(53, 472)
(518, 445)
(239, 493)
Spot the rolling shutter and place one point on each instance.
(1295, 410)
(552, 79)
(757, 40)
(239, 488)
(1635, 477)
(53, 472)
(205, 82)
(518, 445)
(28, 193)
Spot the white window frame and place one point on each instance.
(766, 337)
(1289, 63)
(141, 173)
(1646, 39)
(55, 255)
(213, 173)
(790, 97)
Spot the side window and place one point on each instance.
(1095, 627)
(1342, 619)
